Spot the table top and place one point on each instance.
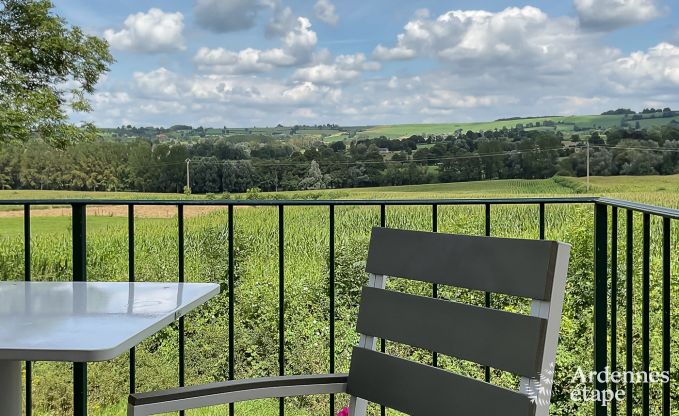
(89, 321)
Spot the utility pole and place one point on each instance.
(188, 178)
(587, 165)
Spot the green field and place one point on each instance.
(564, 123)
(306, 270)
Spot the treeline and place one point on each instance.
(223, 165)
(627, 111)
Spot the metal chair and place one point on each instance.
(521, 344)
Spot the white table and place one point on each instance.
(82, 322)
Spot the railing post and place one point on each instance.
(383, 343)
(629, 312)
(645, 311)
(79, 275)
(614, 302)
(600, 298)
(486, 296)
(434, 286)
(27, 278)
(182, 341)
(666, 313)
(331, 293)
(232, 408)
(131, 279)
(281, 301)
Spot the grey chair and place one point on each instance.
(521, 344)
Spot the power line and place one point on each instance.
(647, 149)
(370, 162)
(423, 160)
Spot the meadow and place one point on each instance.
(306, 284)
(565, 124)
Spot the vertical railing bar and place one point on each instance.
(645, 311)
(487, 298)
(331, 289)
(180, 244)
(231, 304)
(383, 344)
(600, 299)
(281, 302)
(666, 311)
(434, 286)
(131, 279)
(79, 230)
(27, 278)
(614, 302)
(542, 221)
(629, 317)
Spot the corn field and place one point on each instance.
(307, 301)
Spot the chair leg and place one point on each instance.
(358, 406)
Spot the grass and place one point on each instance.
(497, 187)
(257, 407)
(35, 194)
(54, 225)
(565, 123)
(306, 271)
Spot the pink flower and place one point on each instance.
(343, 412)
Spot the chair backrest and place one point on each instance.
(521, 344)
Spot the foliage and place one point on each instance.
(219, 165)
(306, 287)
(40, 55)
(314, 179)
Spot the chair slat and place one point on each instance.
(511, 266)
(499, 339)
(422, 390)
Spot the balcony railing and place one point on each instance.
(607, 281)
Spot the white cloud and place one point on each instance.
(151, 32)
(393, 54)
(224, 16)
(345, 68)
(158, 84)
(654, 70)
(298, 44)
(614, 14)
(282, 22)
(245, 61)
(326, 74)
(512, 47)
(480, 65)
(326, 12)
(522, 36)
(300, 41)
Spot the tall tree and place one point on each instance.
(314, 179)
(47, 68)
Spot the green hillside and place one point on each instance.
(561, 123)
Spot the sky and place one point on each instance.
(244, 63)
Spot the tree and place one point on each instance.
(40, 54)
(596, 139)
(315, 179)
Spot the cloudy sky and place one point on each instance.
(356, 62)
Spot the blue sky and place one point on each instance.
(264, 62)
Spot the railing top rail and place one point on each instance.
(303, 202)
(643, 208)
(635, 206)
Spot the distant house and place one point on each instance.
(383, 150)
(162, 137)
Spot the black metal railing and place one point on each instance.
(605, 266)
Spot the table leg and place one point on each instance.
(10, 388)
